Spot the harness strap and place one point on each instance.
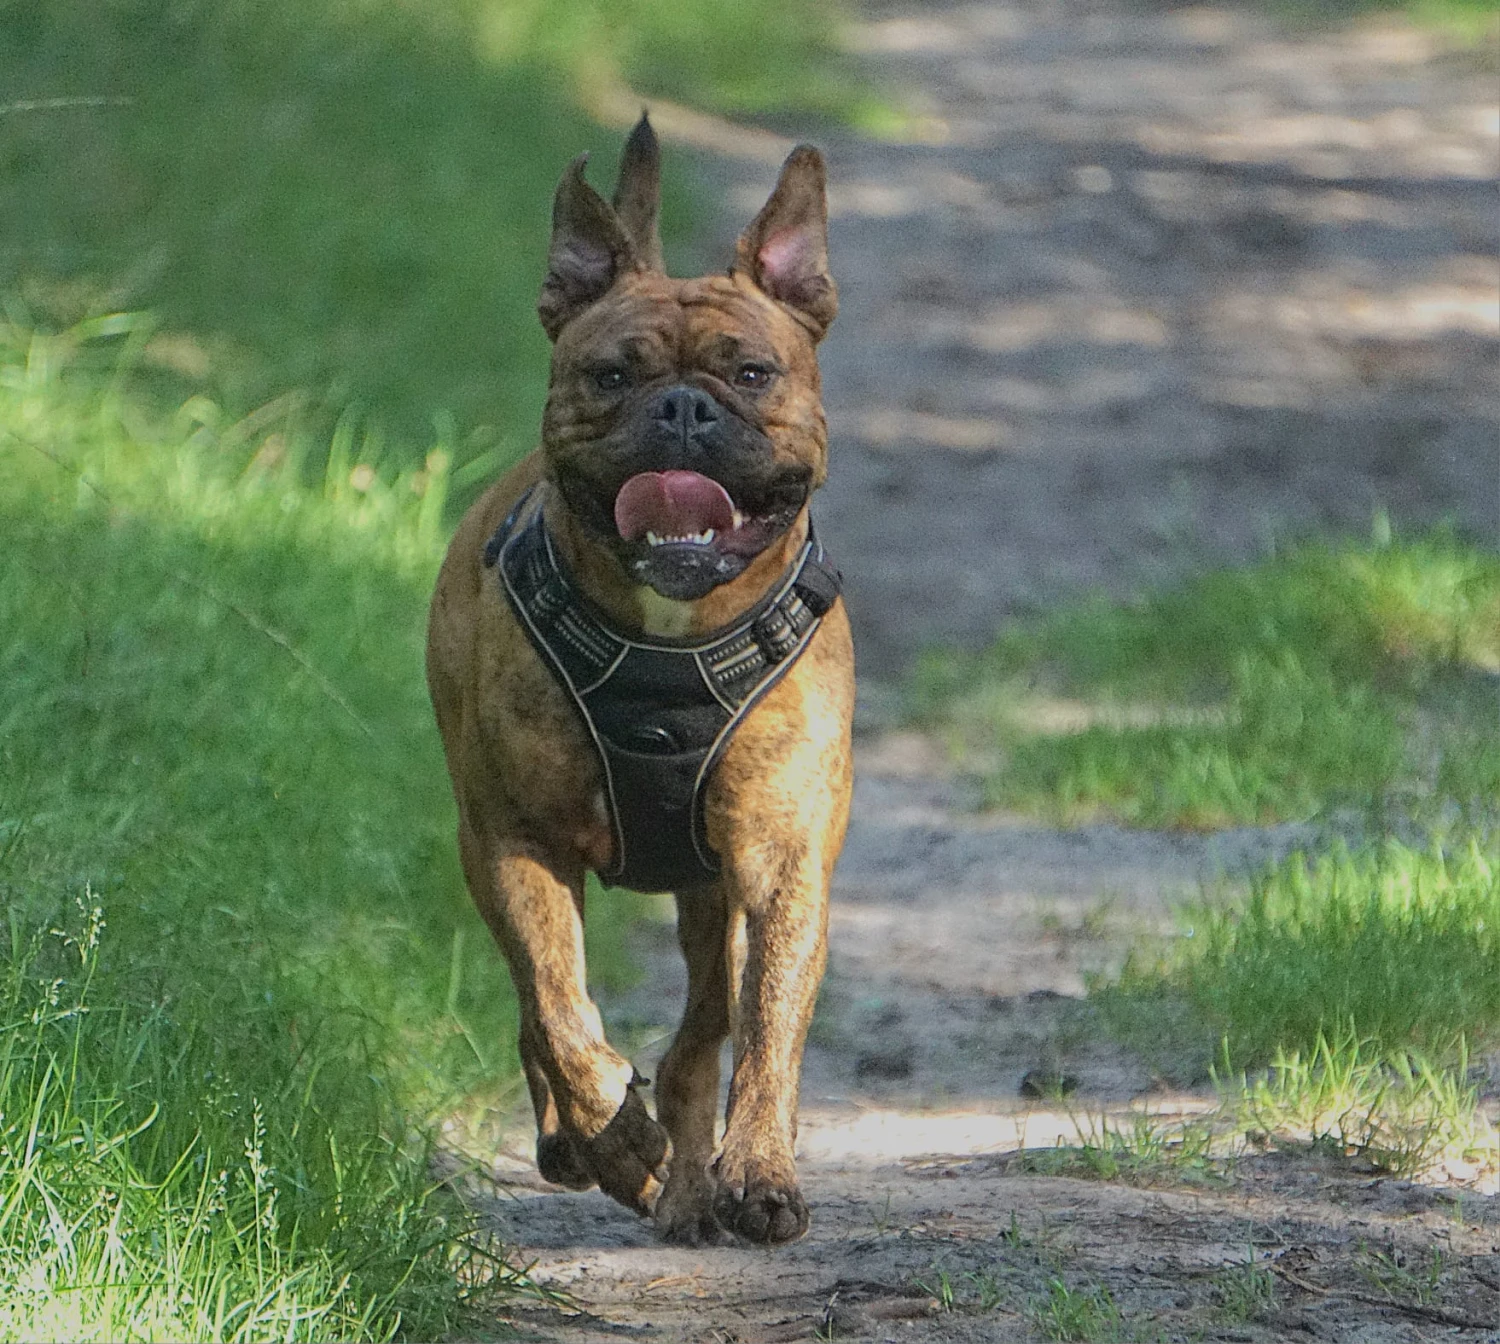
(660, 713)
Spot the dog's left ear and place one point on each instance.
(638, 196)
(590, 250)
(785, 248)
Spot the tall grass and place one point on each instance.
(217, 1070)
(1398, 945)
(169, 1170)
(215, 694)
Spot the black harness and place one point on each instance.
(660, 714)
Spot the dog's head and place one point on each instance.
(684, 428)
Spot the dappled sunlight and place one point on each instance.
(1133, 302)
(1174, 288)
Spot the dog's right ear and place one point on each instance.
(590, 250)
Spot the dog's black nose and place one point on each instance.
(685, 410)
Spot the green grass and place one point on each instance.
(1322, 678)
(345, 203)
(1087, 1314)
(1349, 683)
(1396, 1109)
(240, 975)
(1399, 944)
(1143, 1151)
(1287, 743)
(183, 1164)
(215, 695)
(1244, 1292)
(216, 738)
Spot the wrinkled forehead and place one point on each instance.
(677, 319)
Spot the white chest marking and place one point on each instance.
(664, 616)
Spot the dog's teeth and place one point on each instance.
(739, 520)
(700, 538)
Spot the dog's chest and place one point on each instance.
(662, 617)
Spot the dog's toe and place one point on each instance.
(685, 1212)
(692, 1227)
(764, 1213)
(560, 1159)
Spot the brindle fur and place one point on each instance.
(528, 782)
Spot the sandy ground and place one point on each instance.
(1157, 287)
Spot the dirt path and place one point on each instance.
(1161, 287)
(1171, 286)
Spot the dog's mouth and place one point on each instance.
(687, 535)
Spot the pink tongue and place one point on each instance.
(671, 504)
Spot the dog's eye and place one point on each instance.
(611, 378)
(756, 376)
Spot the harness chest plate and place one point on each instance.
(659, 713)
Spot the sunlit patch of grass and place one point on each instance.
(1326, 677)
(215, 696)
(1399, 1111)
(1287, 742)
(1403, 943)
(170, 1176)
(1394, 1109)
(1138, 1149)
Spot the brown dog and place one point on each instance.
(682, 440)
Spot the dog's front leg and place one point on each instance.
(687, 1079)
(602, 1128)
(785, 951)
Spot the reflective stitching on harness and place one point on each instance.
(659, 714)
(606, 674)
(708, 680)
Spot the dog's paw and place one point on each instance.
(626, 1156)
(560, 1158)
(685, 1212)
(767, 1213)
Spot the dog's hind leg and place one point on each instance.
(687, 1081)
(536, 917)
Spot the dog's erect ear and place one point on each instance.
(590, 250)
(638, 196)
(785, 248)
